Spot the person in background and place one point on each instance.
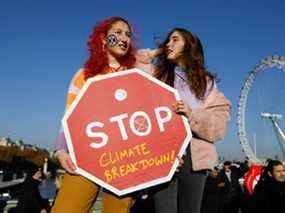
(213, 193)
(29, 197)
(230, 175)
(269, 193)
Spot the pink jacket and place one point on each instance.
(209, 124)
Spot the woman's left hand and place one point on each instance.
(182, 108)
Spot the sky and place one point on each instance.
(43, 43)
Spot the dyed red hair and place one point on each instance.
(98, 59)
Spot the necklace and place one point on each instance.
(114, 68)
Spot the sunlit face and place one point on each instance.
(278, 173)
(175, 46)
(122, 35)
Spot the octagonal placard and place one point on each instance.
(122, 133)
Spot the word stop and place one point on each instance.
(162, 115)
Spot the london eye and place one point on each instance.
(273, 63)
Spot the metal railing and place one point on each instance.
(10, 204)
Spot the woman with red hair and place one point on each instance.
(111, 50)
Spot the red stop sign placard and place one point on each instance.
(122, 133)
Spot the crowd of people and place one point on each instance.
(226, 192)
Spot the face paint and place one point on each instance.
(112, 40)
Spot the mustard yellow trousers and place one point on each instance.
(77, 195)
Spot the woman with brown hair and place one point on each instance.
(181, 64)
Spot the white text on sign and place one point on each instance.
(118, 119)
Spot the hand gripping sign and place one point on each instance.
(122, 133)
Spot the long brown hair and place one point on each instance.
(192, 58)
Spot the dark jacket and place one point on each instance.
(233, 188)
(29, 198)
(269, 196)
(213, 195)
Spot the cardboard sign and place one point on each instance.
(122, 133)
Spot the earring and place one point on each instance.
(104, 47)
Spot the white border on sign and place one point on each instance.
(100, 182)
